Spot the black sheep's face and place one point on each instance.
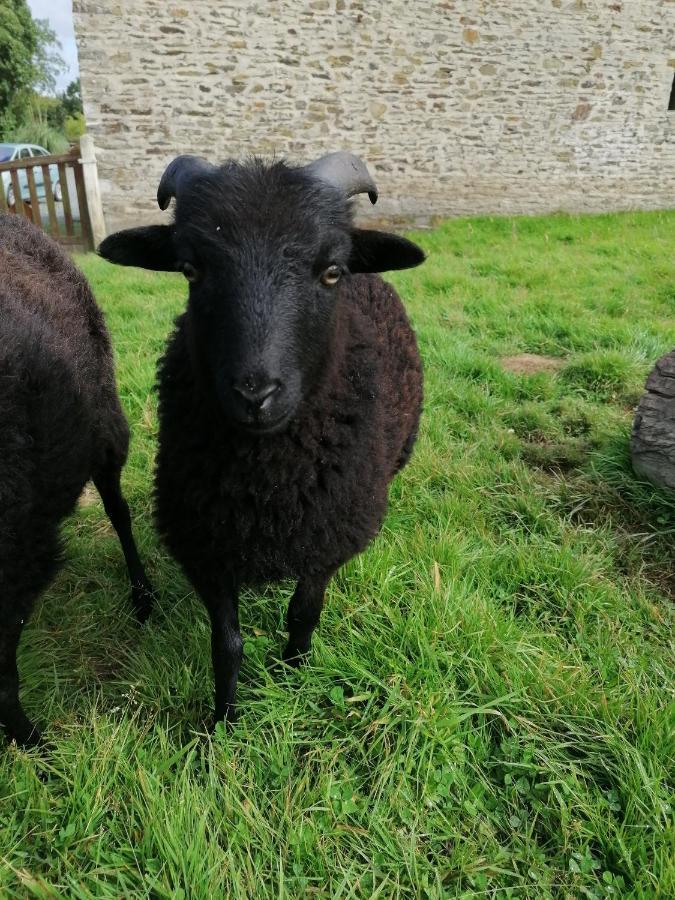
(264, 268)
(264, 250)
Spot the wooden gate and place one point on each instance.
(51, 192)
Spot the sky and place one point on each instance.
(60, 15)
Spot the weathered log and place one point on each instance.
(652, 442)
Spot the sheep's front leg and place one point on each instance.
(304, 612)
(16, 723)
(108, 485)
(226, 648)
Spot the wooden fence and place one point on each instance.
(72, 213)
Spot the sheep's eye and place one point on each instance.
(331, 276)
(190, 272)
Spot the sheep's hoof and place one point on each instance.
(34, 741)
(142, 598)
(226, 718)
(26, 736)
(294, 656)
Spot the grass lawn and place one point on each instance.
(488, 710)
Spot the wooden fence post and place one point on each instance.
(91, 186)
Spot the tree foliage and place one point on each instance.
(18, 48)
(71, 98)
(30, 64)
(47, 61)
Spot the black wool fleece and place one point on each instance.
(61, 424)
(290, 392)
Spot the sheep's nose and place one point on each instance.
(257, 394)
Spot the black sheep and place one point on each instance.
(61, 424)
(291, 389)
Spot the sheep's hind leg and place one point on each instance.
(13, 719)
(304, 612)
(108, 485)
(226, 648)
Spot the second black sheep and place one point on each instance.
(61, 424)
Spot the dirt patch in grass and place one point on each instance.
(531, 363)
(555, 456)
(88, 497)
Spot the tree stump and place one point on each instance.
(652, 442)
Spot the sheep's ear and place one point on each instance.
(377, 251)
(150, 247)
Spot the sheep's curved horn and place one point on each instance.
(345, 171)
(177, 173)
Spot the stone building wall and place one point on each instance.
(459, 106)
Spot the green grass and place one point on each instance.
(488, 710)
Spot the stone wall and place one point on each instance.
(459, 106)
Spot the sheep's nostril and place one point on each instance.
(257, 395)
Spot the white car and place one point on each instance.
(11, 152)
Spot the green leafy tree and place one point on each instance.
(30, 63)
(71, 98)
(75, 126)
(71, 103)
(47, 61)
(18, 48)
